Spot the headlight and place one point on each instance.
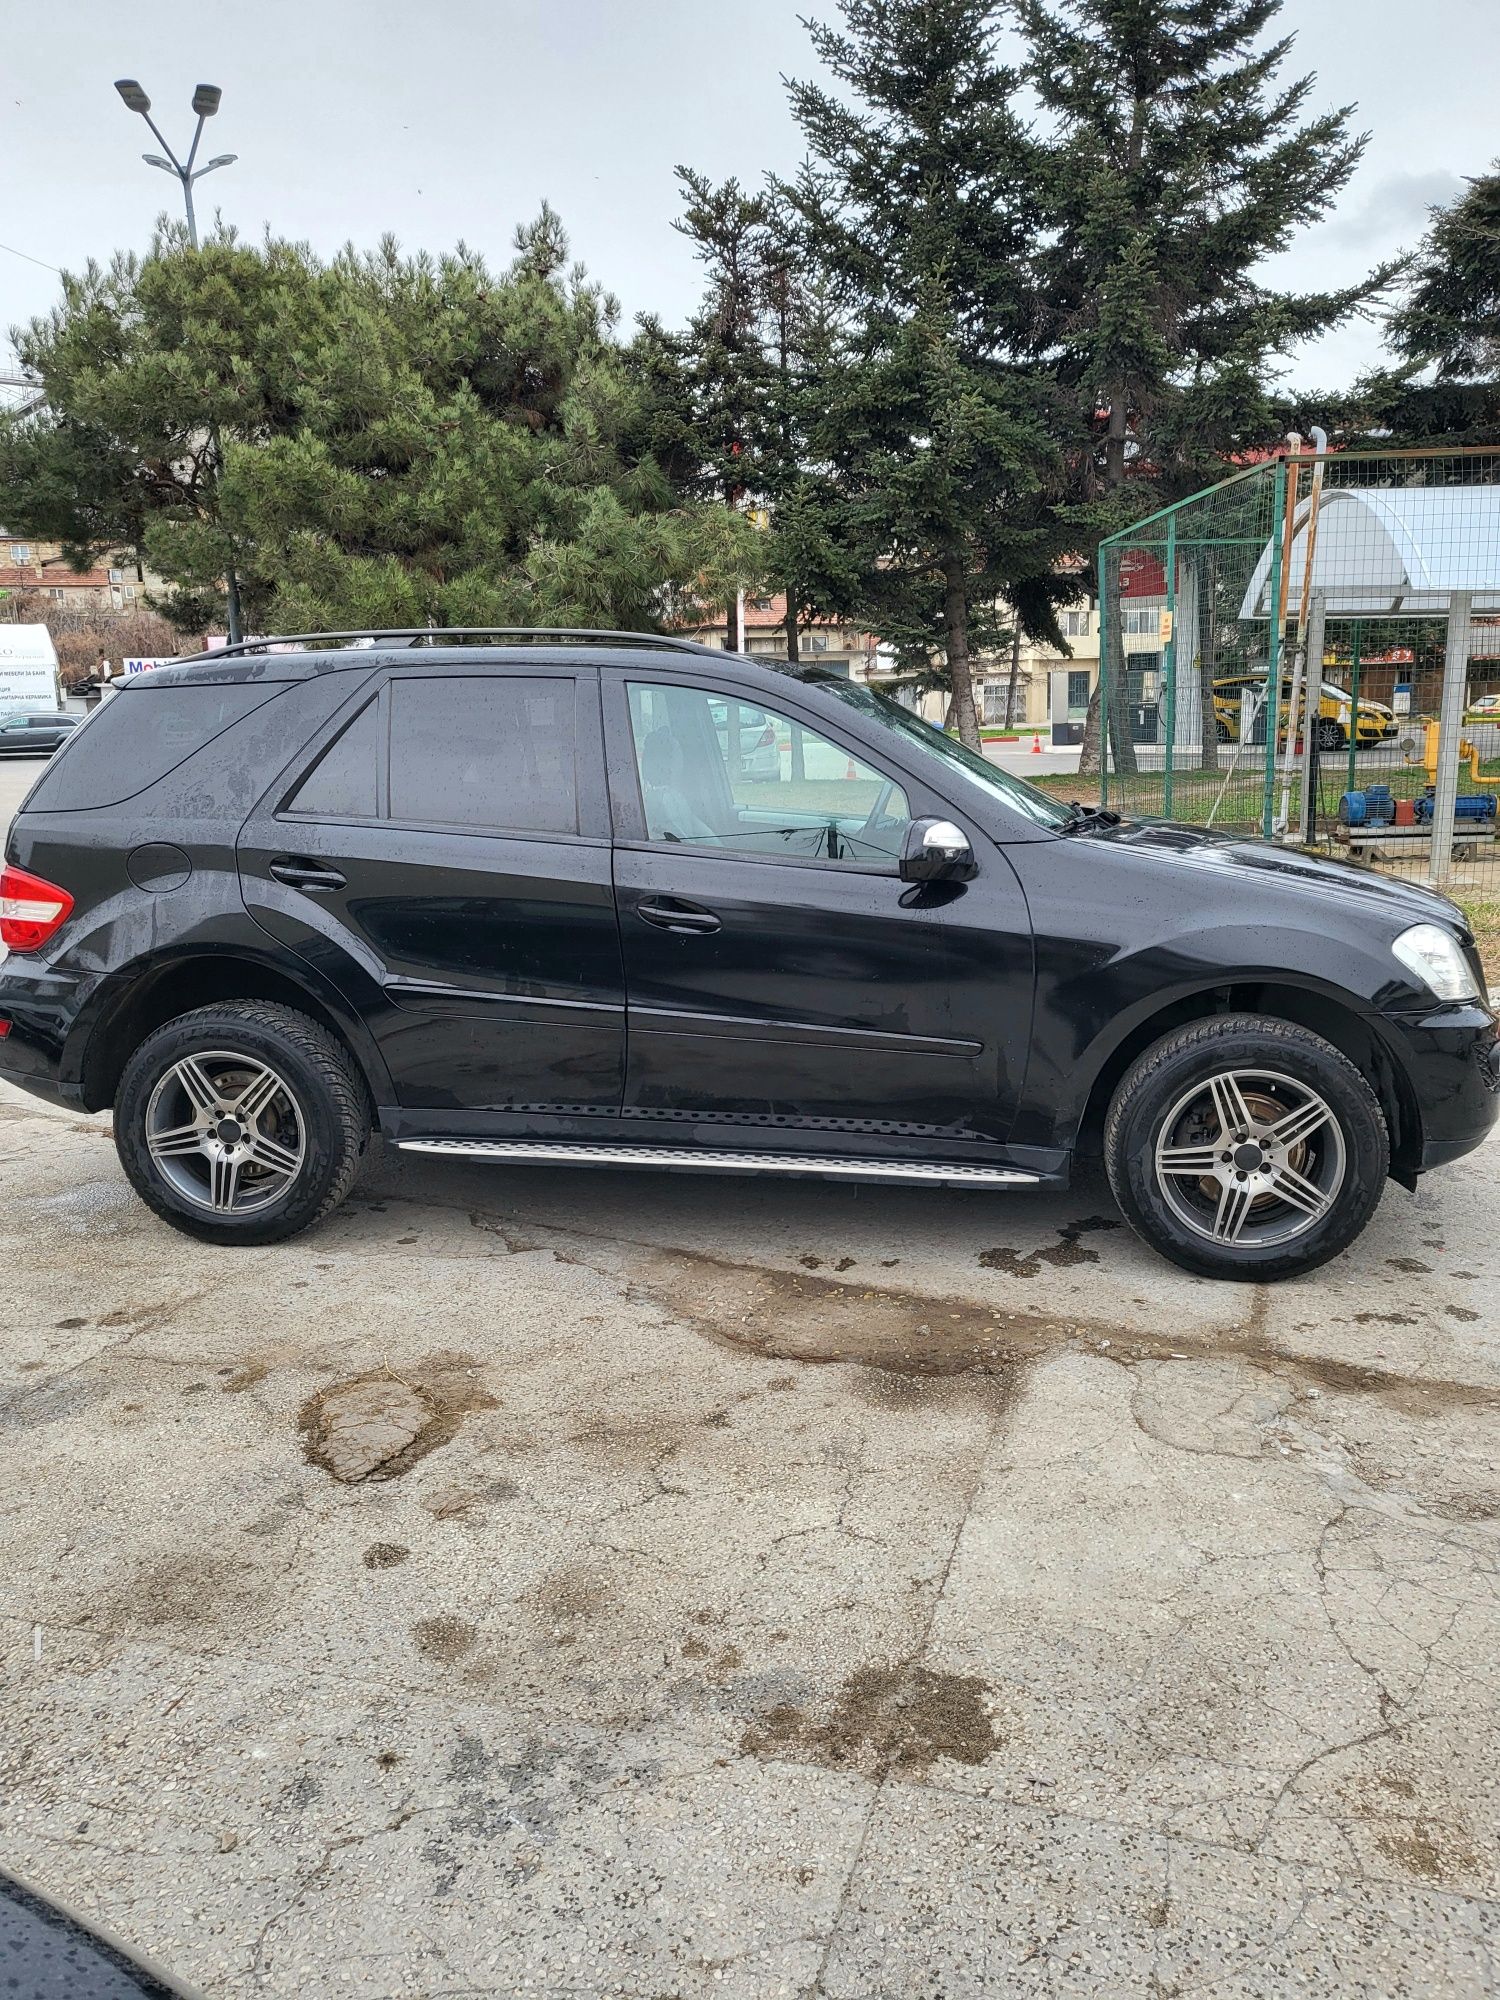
(1433, 955)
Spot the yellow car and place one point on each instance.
(1375, 722)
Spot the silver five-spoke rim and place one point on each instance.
(225, 1132)
(1251, 1157)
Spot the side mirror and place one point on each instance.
(935, 850)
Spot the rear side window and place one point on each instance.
(342, 784)
(489, 752)
(136, 737)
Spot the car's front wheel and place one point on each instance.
(242, 1122)
(1330, 734)
(1246, 1147)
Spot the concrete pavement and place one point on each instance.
(794, 1590)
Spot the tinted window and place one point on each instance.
(717, 772)
(490, 752)
(136, 737)
(341, 785)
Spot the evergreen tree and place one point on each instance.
(918, 203)
(1179, 161)
(405, 439)
(709, 382)
(1445, 334)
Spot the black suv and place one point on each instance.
(628, 901)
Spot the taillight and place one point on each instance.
(767, 741)
(30, 909)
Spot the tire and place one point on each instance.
(1223, 732)
(277, 1169)
(1165, 1146)
(1330, 734)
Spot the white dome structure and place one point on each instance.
(1393, 552)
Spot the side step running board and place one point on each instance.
(684, 1159)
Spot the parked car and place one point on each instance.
(1488, 706)
(1375, 722)
(32, 735)
(50, 1951)
(500, 898)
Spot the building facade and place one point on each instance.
(31, 566)
(825, 642)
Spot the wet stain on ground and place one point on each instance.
(1428, 1852)
(188, 1593)
(1409, 1264)
(443, 1639)
(1068, 1250)
(244, 1377)
(885, 1719)
(807, 1317)
(798, 1316)
(385, 1555)
(1465, 1313)
(1385, 1319)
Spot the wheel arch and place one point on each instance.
(1354, 1034)
(175, 983)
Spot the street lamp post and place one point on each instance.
(205, 103)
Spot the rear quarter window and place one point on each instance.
(134, 738)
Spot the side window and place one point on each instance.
(719, 772)
(488, 751)
(342, 784)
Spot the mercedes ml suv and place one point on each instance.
(619, 900)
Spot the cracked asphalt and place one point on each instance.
(788, 1590)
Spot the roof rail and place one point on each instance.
(430, 635)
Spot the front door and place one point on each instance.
(443, 857)
(779, 973)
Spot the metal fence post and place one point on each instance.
(1273, 650)
(1455, 684)
(1312, 662)
(1169, 663)
(1103, 677)
(1354, 706)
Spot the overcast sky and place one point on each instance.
(455, 118)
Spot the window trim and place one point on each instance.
(625, 778)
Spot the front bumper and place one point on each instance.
(1451, 1058)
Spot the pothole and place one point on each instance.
(380, 1426)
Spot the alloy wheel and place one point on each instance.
(226, 1131)
(1250, 1157)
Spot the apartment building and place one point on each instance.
(28, 565)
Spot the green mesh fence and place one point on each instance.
(1365, 588)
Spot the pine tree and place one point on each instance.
(1445, 334)
(1179, 161)
(405, 439)
(918, 203)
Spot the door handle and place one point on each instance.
(300, 873)
(672, 915)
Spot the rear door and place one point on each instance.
(441, 852)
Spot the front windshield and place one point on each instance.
(956, 759)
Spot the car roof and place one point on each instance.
(307, 654)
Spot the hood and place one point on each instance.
(1242, 864)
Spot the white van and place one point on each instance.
(29, 680)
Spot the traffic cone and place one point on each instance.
(1036, 744)
(850, 771)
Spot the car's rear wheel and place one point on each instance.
(242, 1122)
(1330, 734)
(1245, 1147)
